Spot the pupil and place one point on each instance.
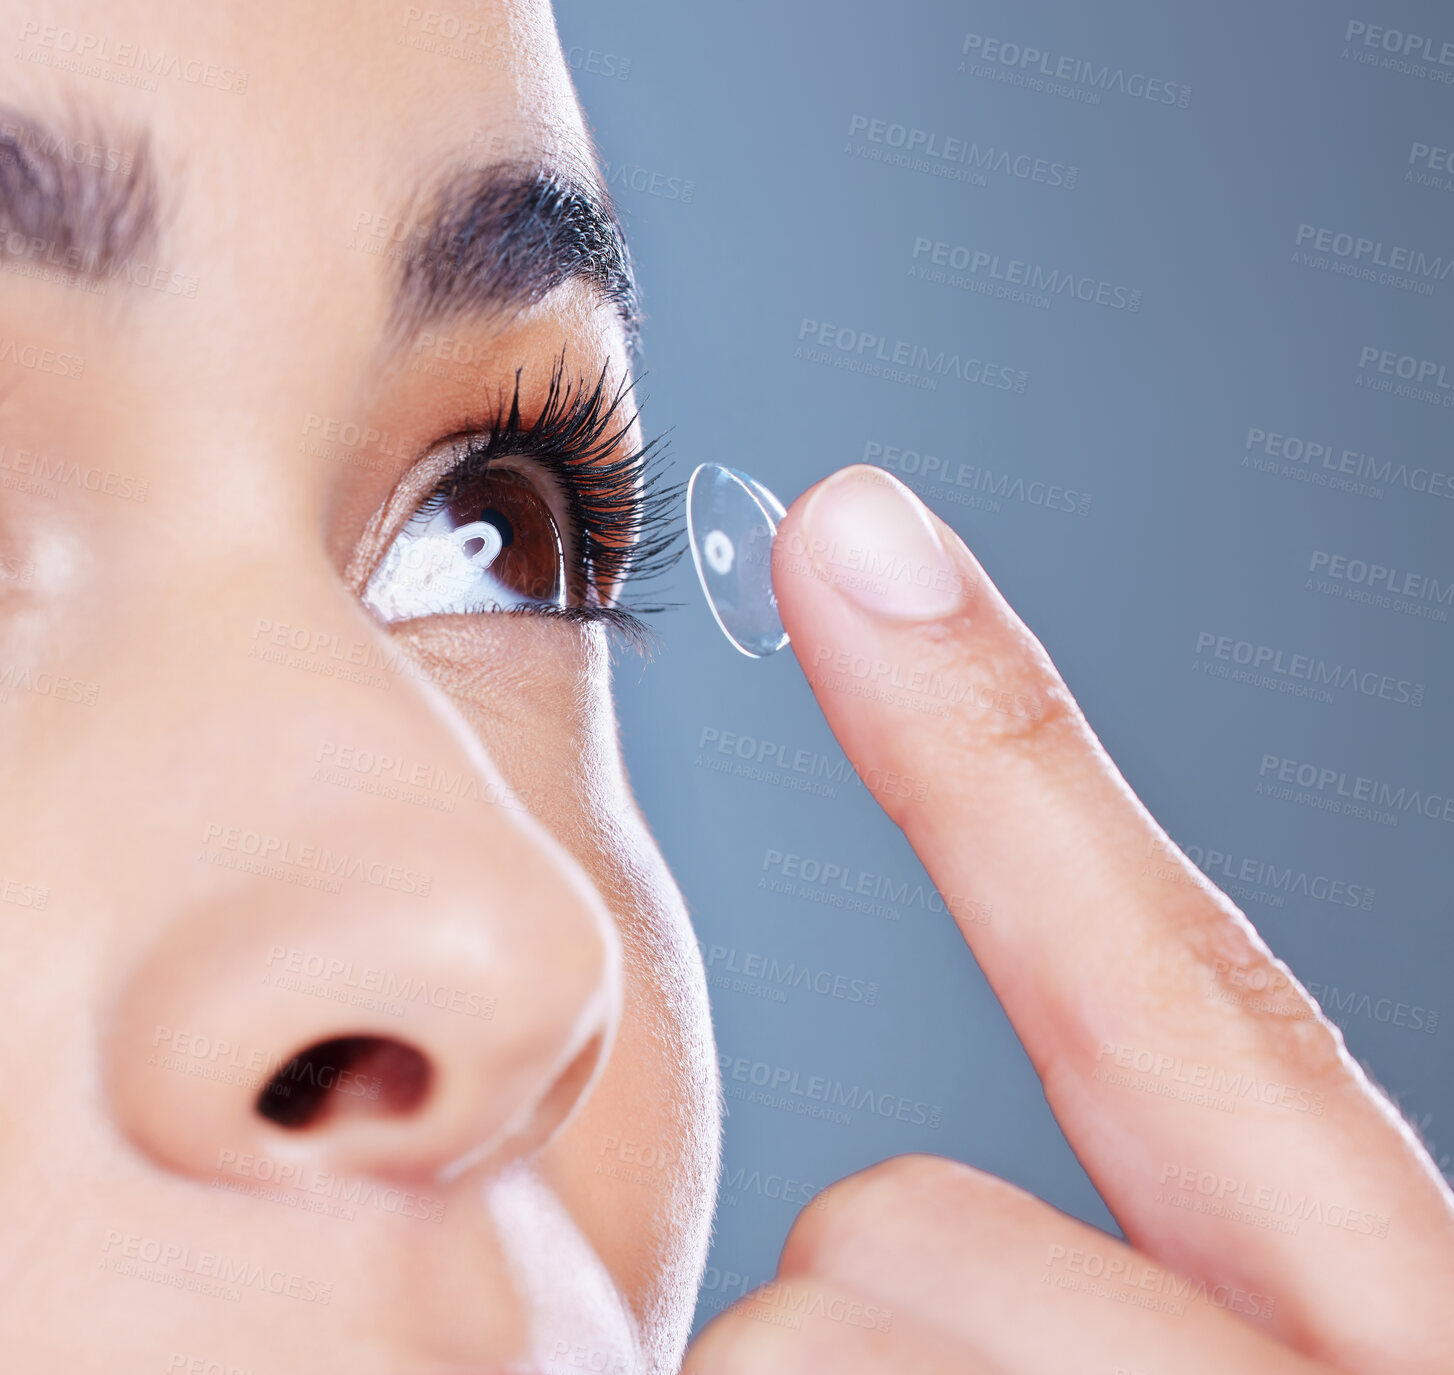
(501, 522)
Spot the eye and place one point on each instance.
(548, 511)
(487, 540)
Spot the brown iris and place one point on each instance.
(531, 561)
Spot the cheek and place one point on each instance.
(637, 1165)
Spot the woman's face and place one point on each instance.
(319, 931)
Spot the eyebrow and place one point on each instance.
(74, 203)
(496, 239)
(488, 240)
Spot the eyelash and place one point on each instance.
(622, 515)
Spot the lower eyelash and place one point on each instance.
(623, 515)
(626, 627)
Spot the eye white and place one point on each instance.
(429, 570)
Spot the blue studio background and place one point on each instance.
(1170, 288)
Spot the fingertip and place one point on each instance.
(864, 535)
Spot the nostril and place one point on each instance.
(350, 1075)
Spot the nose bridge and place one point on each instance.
(362, 950)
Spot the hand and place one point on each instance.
(1281, 1216)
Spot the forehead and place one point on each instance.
(333, 110)
(313, 164)
(500, 55)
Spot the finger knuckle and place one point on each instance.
(1014, 700)
(725, 1345)
(865, 1211)
(978, 707)
(1261, 1005)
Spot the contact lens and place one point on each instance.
(732, 520)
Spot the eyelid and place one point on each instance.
(623, 514)
(418, 482)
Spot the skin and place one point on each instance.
(1126, 974)
(546, 1244)
(548, 903)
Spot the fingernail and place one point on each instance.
(873, 539)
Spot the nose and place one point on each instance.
(374, 1040)
(339, 983)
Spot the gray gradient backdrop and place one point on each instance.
(754, 152)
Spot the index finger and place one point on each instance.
(1106, 946)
